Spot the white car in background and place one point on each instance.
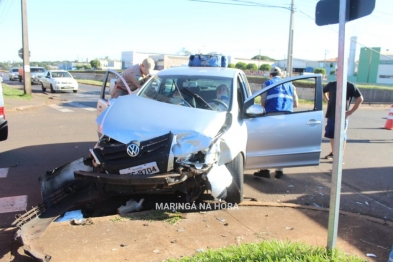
(59, 80)
(13, 74)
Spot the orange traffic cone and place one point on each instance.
(389, 120)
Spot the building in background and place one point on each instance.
(110, 64)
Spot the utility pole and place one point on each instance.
(26, 52)
(324, 62)
(369, 65)
(290, 42)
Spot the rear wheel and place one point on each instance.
(43, 88)
(74, 91)
(51, 89)
(235, 190)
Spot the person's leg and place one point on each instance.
(279, 173)
(329, 133)
(332, 144)
(263, 173)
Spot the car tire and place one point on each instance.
(43, 88)
(75, 91)
(235, 190)
(51, 89)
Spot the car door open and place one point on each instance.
(286, 139)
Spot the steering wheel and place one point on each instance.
(219, 102)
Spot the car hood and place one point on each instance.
(132, 117)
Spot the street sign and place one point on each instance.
(20, 53)
(326, 11)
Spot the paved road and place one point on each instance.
(47, 137)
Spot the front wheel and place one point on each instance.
(43, 88)
(75, 91)
(235, 190)
(51, 89)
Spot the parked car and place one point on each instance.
(3, 121)
(59, 80)
(13, 74)
(36, 73)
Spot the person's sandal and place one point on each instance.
(330, 156)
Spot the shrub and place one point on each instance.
(321, 71)
(265, 67)
(241, 65)
(252, 66)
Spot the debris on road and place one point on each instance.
(70, 215)
(131, 206)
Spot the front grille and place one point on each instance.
(113, 156)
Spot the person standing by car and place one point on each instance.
(135, 76)
(352, 92)
(282, 98)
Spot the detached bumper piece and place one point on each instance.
(140, 180)
(114, 157)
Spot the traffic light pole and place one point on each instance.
(26, 52)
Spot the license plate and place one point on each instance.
(145, 169)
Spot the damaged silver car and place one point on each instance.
(192, 130)
(188, 131)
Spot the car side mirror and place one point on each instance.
(255, 110)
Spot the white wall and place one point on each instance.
(385, 70)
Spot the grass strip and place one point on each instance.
(14, 93)
(271, 251)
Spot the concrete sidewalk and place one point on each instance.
(116, 238)
(15, 104)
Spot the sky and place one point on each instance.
(89, 29)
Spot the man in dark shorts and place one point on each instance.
(352, 92)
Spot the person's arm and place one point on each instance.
(295, 97)
(263, 99)
(325, 97)
(358, 101)
(132, 82)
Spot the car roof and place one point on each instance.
(199, 71)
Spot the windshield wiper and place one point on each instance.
(197, 97)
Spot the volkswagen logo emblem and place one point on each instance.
(133, 150)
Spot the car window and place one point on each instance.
(37, 70)
(193, 91)
(306, 93)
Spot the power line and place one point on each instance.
(242, 3)
(5, 12)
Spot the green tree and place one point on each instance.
(241, 65)
(263, 57)
(231, 65)
(252, 66)
(321, 71)
(333, 72)
(87, 66)
(265, 67)
(95, 63)
(79, 67)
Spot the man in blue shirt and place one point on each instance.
(282, 98)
